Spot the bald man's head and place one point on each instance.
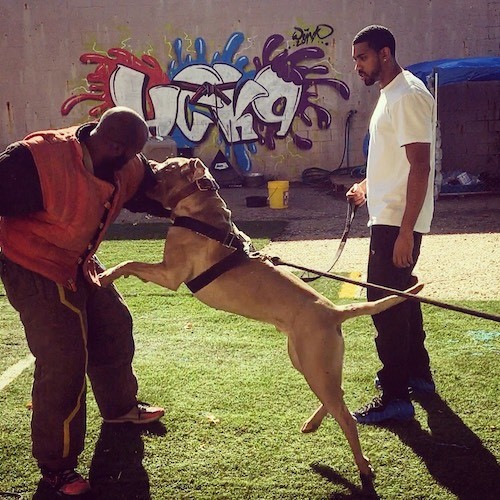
(118, 136)
(123, 126)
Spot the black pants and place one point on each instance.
(400, 332)
(71, 335)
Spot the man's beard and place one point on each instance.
(117, 163)
(107, 168)
(369, 80)
(373, 77)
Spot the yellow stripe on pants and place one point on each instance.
(66, 435)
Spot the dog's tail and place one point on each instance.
(376, 306)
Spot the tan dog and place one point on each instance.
(254, 288)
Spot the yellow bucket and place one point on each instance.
(278, 194)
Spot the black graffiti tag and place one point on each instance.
(302, 36)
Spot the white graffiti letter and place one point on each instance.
(277, 89)
(126, 88)
(164, 99)
(236, 125)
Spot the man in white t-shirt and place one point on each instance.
(399, 191)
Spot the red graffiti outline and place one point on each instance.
(99, 80)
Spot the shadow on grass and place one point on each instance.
(452, 453)
(367, 491)
(116, 471)
(269, 229)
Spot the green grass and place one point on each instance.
(235, 406)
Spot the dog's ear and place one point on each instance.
(200, 169)
(187, 170)
(194, 169)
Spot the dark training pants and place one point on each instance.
(400, 332)
(71, 334)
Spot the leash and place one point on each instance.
(445, 305)
(351, 212)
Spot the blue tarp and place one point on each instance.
(458, 70)
(471, 69)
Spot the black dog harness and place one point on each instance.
(232, 260)
(228, 239)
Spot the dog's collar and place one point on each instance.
(227, 238)
(203, 184)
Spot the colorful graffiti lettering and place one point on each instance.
(103, 88)
(319, 34)
(247, 106)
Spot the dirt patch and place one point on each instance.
(453, 266)
(460, 258)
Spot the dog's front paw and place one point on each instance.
(113, 273)
(106, 278)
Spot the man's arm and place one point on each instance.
(20, 191)
(418, 154)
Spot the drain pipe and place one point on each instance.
(350, 115)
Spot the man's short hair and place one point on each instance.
(377, 38)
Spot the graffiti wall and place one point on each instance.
(271, 85)
(193, 95)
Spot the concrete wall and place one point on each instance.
(65, 61)
(470, 127)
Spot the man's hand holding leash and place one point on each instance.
(357, 193)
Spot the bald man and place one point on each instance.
(59, 192)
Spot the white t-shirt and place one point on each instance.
(404, 114)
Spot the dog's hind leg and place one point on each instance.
(320, 360)
(351, 310)
(314, 421)
(333, 403)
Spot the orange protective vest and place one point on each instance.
(78, 209)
